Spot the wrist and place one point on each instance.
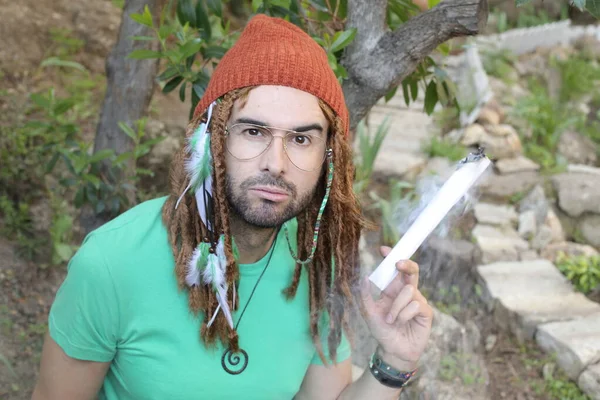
(396, 362)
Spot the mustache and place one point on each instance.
(268, 180)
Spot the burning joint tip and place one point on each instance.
(476, 156)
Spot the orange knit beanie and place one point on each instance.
(272, 51)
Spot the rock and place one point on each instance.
(490, 342)
(588, 46)
(578, 193)
(493, 214)
(576, 342)
(577, 148)
(537, 202)
(472, 135)
(527, 224)
(407, 165)
(570, 249)
(488, 116)
(589, 381)
(585, 169)
(526, 294)
(505, 186)
(498, 244)
(445, 263)
(517, 164)
(495, 106)
(542, 238)
(528, 255)
(590, 229)
(498, 147)
(556, 229)
(449, 340)
(501, 130)
(438, 166)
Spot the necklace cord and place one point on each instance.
(259, 278)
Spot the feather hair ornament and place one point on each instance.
(199, 165)
(214, 275)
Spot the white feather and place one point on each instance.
(192, 277)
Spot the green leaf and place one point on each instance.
(182, 92)
(215, 7)
(123, 157)
(414, 89)
(52, 162)
(203, 21)
(405, 92)
(93, 179)
(342, 39)
(101, 155)
(186, 13)
(431, 97)
(172, 84)
(127, 130)
(143, 38)
(391, 93)
(168, 73)
(255, 5)
(213, 52)
(143, 171)
(593, 7)
(164, 31)
(520, 3)
(57, 62)
(142, 54)
(63, 251)
(100, 206)
(190, 48)
(79, 198)
(144, 19)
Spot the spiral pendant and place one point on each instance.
(231, 361)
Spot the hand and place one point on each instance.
(400, 320)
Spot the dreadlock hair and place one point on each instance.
(332, 288)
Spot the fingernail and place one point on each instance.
(389, 319)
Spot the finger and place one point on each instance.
(405, 296)
(410, 272)
(410, 311)
(365, 292)
(385, 250)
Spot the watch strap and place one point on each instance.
(388, 375)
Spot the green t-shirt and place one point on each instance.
(120, 303)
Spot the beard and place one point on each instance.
(265, 214)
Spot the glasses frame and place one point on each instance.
(326, 152)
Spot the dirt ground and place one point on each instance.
(28, 32)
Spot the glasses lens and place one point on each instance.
(305, 150)
(246, 141)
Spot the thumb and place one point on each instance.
(385, 250)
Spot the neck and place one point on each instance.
(253, 243)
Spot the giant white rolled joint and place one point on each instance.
(457, 185)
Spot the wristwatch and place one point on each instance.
(388, 375)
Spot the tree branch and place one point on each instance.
(380, 59)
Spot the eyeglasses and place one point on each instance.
(247, 141)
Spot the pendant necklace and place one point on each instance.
(231, 361)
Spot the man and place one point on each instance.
(238, 284)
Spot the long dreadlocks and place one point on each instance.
(332, 289)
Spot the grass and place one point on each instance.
(437, 147)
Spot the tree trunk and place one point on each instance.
(379, 59)
(129, 88)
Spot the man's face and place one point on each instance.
(269, 189)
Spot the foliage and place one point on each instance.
(591, 6)
(194, 35)
(460, 365)
(368, 146)
(499, 63)
(437, 147)
(399, 190)
(582, 271)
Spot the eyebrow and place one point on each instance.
(301, 128)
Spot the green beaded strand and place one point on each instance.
(318, 223)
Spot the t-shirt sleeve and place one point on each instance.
(344, 350)
(84, 318)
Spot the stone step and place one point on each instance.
(589, 381)
(576, 342)
(526, 294)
